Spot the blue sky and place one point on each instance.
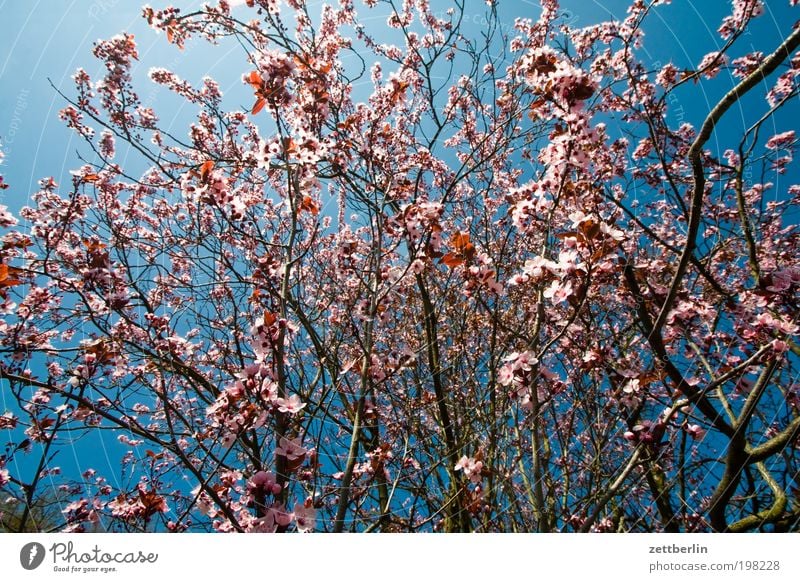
(48, 41)
(45, 41)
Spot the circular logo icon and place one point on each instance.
(31, 555)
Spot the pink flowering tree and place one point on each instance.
(498, 289)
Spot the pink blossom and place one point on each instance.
(537, 267)
(780, 324)
(668, 75)
(292, 405)
(305, 517)
(558, 291)
(8, 421)
(784, 280)
(505, 376)
(6, 218)
(264, 524)
(743, 10)
(781, 140)
(695, 431)
(712, 64)
(292, 449)
(280, 515)
(631, 393)
(471, 467)
(747, 64)
(264, 481)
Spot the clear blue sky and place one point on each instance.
(44, 40)
(49, 40)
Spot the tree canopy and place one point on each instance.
(430, 278)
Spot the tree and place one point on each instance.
(43, 515)
(505, 291)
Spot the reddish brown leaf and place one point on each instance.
(544, 64)
(103, 350)
(152, 502)
(254, 79)
(581, 92)
(259, 105)
(398, 90)
(462, 245)
(205, 170)
(93, 246)
(46, 423)
(452, 260)
(590, 229)
(601, 252)
(7, 276)
(309, 205)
